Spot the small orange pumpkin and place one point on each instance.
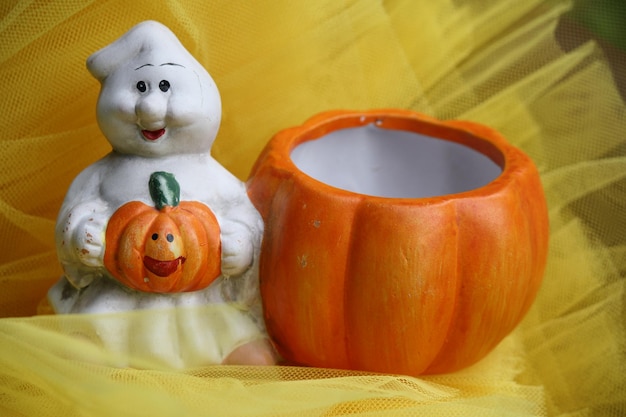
(171, 247)
(397, 285)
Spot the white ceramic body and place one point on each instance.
(160, 110)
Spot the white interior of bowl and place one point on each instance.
(392, 163)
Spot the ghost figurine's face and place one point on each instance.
(156, 99)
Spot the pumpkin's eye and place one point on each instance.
(170, 237)
(155, 236)
(164, 85)
(141, 86)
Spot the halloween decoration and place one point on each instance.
(365, 270)
(172, 247)
(158, 223)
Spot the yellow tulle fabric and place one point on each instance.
(277, 63)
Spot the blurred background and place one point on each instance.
(605, 22)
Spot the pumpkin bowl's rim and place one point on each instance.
(478, 137)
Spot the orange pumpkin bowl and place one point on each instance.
(395, 242)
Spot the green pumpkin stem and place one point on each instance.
(164, 189)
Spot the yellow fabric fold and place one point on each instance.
(497, 62)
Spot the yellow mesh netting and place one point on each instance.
(276, 63)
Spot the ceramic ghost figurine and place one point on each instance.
(158, 223)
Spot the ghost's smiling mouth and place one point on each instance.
(153, 134)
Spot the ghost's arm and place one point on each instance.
(241, 230)
(80, 229)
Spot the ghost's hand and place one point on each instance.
(90, 241)
(83, 235)
(237, 248)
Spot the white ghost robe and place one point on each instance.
(160, 110)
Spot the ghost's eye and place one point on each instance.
(164, 85)
(141, 86)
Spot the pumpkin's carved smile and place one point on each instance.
(162, 268)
